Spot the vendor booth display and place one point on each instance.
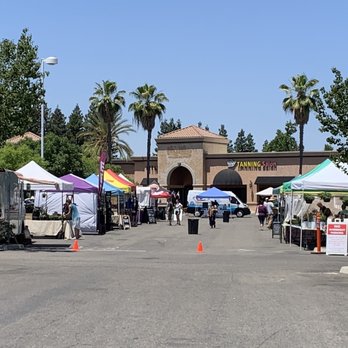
(85, 196)
(301, 198)
(111, 204)
(37, 179)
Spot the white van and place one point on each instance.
(232, 204)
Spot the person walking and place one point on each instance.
(269, 218)
(261, 212)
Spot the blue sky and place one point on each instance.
(218, 62)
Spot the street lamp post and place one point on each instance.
(49, 61)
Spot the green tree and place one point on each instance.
(169, 126)
(75, 126)
(328, 147)
(62, 156)
(21, 91)
(108, 102)
(223, 133)
(300, 101)
(283, 141)
(56, 123)
(148, 106)
(332, 114)
(244, 143)
(96, 133)
(250, 143)
(15, 156)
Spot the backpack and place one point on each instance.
(262, 209)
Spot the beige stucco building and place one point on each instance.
(194, 158)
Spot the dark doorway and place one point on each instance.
(180, 181)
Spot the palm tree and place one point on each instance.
(96, 135)
(148, 106)
(108, 102)
(300, 100)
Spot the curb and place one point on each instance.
(344, 270)
(11, 247)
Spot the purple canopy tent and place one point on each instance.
(84, 194)
(80, 185)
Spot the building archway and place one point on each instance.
(180, 180)
(230, 180)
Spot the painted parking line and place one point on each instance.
(114, 249)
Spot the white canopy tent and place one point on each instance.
(33, 172)
(85, 195)
(266, 192)
(326, 176)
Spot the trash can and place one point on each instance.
(192, 225)
(226, 216)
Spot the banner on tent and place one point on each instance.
(102, 160)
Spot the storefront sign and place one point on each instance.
(257, 165)
(336, 239)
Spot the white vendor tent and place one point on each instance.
(324, 177)
(266, 192)
(85, 195)
(33, 171)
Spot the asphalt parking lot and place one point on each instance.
(150, 287)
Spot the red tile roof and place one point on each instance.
(190, 132)
(18, 138)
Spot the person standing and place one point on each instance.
(343, 213)
(170, 210)
(178, 211)
(74, 215)
(212, 215)
(324, 211)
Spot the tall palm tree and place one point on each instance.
(108, 102)
(300, 100)
(148, 106)
(96, 134)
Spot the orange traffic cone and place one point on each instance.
(75, 246)
(199, 247)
